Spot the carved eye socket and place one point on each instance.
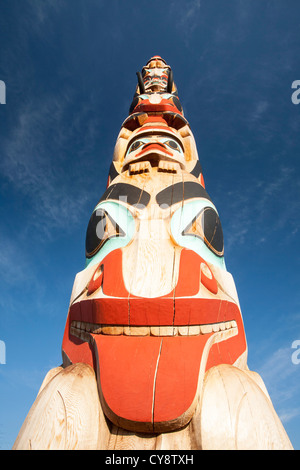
(100, 229)
(135, 145)
(173, 145)
(207, 226)
(196, 226)
(111, 226)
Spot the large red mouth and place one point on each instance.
(150, 355)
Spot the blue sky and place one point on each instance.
(69, 68)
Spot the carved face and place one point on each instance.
(155, 278)
(155, 148)
(156, 91)
(155, 75)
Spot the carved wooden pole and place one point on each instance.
(154, 349)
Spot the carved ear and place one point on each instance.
(141, 83)
(121, 144)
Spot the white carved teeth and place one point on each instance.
(140, 167)
(168, 167)
(82, 329)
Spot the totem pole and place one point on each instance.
(154, 349)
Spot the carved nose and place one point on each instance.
(154, 146)
(150, 265)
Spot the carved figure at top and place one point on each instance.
(156, 90)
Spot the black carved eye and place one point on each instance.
(172, 144)
(213, 233)
(101, 228)
(207, 226)
(135, 146)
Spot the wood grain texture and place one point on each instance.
(66, 414)
(233, 412)
(236, 414)
(52, 373)
(148, 262)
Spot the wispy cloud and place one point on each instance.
(264, 207)
(187, 17)
(21, 274)
(42, 9)
(34, 159)
(9, 274)
(260, 108)
(281, 377)
(191, 9)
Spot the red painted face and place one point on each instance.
(155, 307)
